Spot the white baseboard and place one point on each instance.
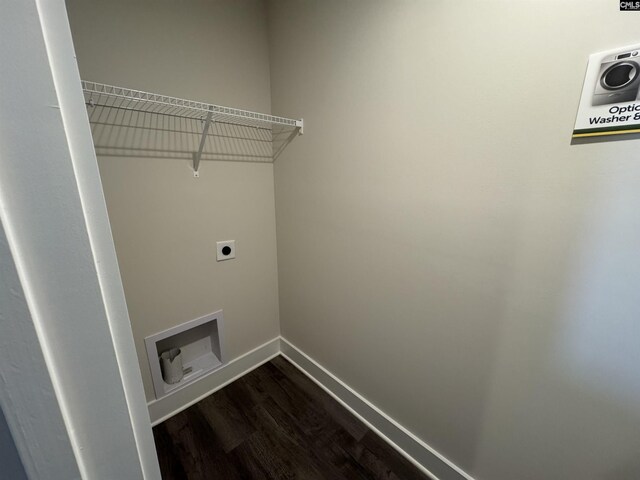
(414, 449)
(166, 407)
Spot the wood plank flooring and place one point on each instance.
(274, 423)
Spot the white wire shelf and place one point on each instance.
(127, 122)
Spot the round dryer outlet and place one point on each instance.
(225, 250)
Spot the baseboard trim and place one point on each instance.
(415, 450)
(166, 407)
(409, 445)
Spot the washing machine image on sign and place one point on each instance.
(619, 79)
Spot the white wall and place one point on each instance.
(443, 247)
(165, 223)
(68, 391)
(27, 393)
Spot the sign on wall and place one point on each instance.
(609, 104)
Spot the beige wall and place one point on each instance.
(165, 223)
(442, 246)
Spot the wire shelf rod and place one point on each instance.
(127, 122)
(187, 132)
(174, 115)
(119, 97)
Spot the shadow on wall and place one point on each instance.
(568, 403)
(599, 341)
(626, 472)
(123, 132)
(10, 463)
(598, 346)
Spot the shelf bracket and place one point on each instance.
(203, 139)
(296, 131)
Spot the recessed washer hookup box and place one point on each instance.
(609, 103)
(201, 346)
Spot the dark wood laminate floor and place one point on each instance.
(274, 423)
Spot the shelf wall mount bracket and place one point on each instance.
(197, 155)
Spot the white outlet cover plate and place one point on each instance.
(220, 246)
